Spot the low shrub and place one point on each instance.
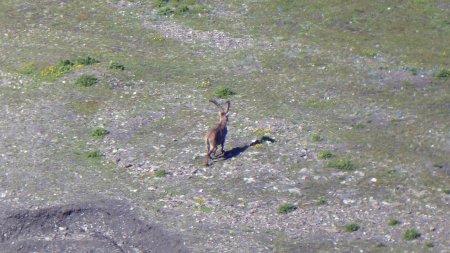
(86, 80)
(286, 208)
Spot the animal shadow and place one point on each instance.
(234, 152)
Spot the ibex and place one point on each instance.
(217, 135)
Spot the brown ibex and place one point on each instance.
(217, 135)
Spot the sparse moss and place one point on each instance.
(178, 7)
(429, 245)
(369, 53)
(411, 234)
(161, 173)
(325, 155)
(286, 208)
(352, 227)
(393, 222)
(259, 146)
(342, 164)
(321, 202)
(99, 132)
(27, 69)
(86, 61)
(444, 74)
(224, 92)
(86, 80)
(94, 154)
(115, 65)
(261, 131)
(205, 84)
(317, 138)
(59, 69)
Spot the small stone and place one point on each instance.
(373, 180)
(294, 190)
(348, 201)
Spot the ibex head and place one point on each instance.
(223, 114)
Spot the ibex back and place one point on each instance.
(217, 135)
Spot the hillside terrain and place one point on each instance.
(338, 133)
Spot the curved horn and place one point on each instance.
(228, 106)
(216, 103)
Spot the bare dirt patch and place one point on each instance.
(106, 226)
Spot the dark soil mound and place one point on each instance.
(106, 226)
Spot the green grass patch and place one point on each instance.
(352, 227)
(359, 126)
(325, 155)
(444, 74)
(317, 138)
(370, 53)
(59, 69)
(224, 92)
(393, 222)
(94, 154)
(411, 234)
(178, 7)
(286, 208)
(161, 173)
(116, 65)
(320, 103)
(261, 131)
(86, 61)
(342, 164)
(86, 80)
(27, 69)
(429, 245)
(321, 202)
(99, 132)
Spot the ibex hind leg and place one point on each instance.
(208, 151)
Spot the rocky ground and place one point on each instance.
(340, 116)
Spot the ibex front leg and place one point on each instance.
(217, 135)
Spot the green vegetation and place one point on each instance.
(359, 126)
(261, 131)
(59, 69)
(99, 132)
(393, 222)
(321, 202)
(352, 227)
(86, 80)
(325, 155)
(224, 92)
(411, 234)
(317, 138)
(94, 154)
(444, 74)
(86, 61)
(368, 53)
(161, 173)
(429, 245)
(27, 69)
(178, 7)
(342, 164)
(115, 65)
(286, 208)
